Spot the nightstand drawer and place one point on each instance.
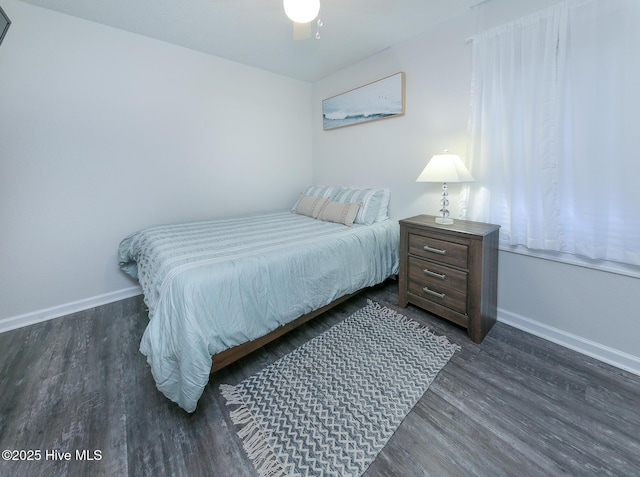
(434, 249)
(439, 284)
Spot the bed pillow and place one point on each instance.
(375, 203)
(310, 206)
(339, 212)
(323, 192)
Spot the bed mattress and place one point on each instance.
(213, 285)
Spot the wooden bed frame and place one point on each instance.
(226, 357)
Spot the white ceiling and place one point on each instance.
(257, 32)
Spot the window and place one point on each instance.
(553, 130)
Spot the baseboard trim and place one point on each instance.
(38, 316)
(587, 347)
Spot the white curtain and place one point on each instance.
(553, 129)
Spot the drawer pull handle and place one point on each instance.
(434, 293)
(441, 276)
(434, 250)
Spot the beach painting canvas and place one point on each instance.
(381, 99)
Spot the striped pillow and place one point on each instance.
(375, 203)
(318, 191)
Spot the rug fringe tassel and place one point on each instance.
(241, 416)
(253, 440)
(231, 394)
(260, 453)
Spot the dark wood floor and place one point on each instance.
(515, 405)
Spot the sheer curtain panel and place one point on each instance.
(553, 130)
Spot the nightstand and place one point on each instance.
(451, 271)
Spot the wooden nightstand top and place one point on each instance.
(465, 227)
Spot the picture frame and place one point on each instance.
(4, 24)
(381, 99)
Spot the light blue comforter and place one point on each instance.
(213, 285)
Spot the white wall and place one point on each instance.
(103, 132)
(586, 309)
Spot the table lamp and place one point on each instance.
(445, 168)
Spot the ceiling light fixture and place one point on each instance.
(301, 11)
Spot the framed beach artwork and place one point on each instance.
(381, 99)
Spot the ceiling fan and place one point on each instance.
(302, 13)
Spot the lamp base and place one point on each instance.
(447, 221)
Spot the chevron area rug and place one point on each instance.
(329, 407)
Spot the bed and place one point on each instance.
(215, 289)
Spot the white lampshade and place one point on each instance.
(445, 168)
(301, 11)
